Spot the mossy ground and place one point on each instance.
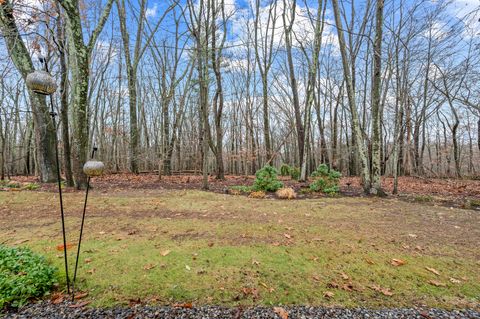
(171, 246)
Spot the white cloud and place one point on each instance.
(151, 12)
(303, 28)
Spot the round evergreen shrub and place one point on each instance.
(285, 169)
(23, 275)
(325, 180)
(295, 173)
(266, 179)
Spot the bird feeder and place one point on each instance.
(93, 168)
(41, 82)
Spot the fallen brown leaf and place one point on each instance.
(81, 296)
(288, 236)
(369, 261)
(433, 270)
(397, 262)
(68, 246)
(149, 266)
(165, 252)
(382, 290)
(437, 283)
(328, 294)
(281, 312)
(183, 305)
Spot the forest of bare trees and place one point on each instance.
(370, 87)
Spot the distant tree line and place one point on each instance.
(370, 88)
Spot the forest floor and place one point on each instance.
(167, 242)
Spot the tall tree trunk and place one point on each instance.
(44, 130)
(79, 57)
(356, 130)
(64, 103)
(376, 114)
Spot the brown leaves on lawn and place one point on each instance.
(328, 294)
(68, 246)
(282, 313)
(165, 252)
(369, 261)
(437, 283)
(433, 270)
(149, 266)
(288, 236)
(384, 291)
(397, 262)
(57, 298)
(187, 305)
(81, 295)
(250, 291)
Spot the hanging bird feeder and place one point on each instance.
(93, 168)
(41, 82)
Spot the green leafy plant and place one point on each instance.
(285, 170)
(23, 275)
(266, 179)
(295, 173)
(9, 184)
(325, 180)
(241, 188)
(31, 186)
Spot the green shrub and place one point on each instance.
(242, 188)
(285, 170)
(23, 275)
(266, 180)
(31, 186)
(9, 184)
(295, 173)
(325, 180)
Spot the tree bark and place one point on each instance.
(44, 130)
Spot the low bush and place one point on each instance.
(325, 180)
(240, 189)
(266, 180)
(9, 184)
(23, 275)
(286, 193)
(285, 170)
(31, 186)
(295, 173)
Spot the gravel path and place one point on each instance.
(48, 310)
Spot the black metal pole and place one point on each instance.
(81, 232)
(59, 182)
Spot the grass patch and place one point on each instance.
(190, 246)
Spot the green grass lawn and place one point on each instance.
(165, 247)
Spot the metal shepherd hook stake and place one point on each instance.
(91, 168)
(41, 82)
